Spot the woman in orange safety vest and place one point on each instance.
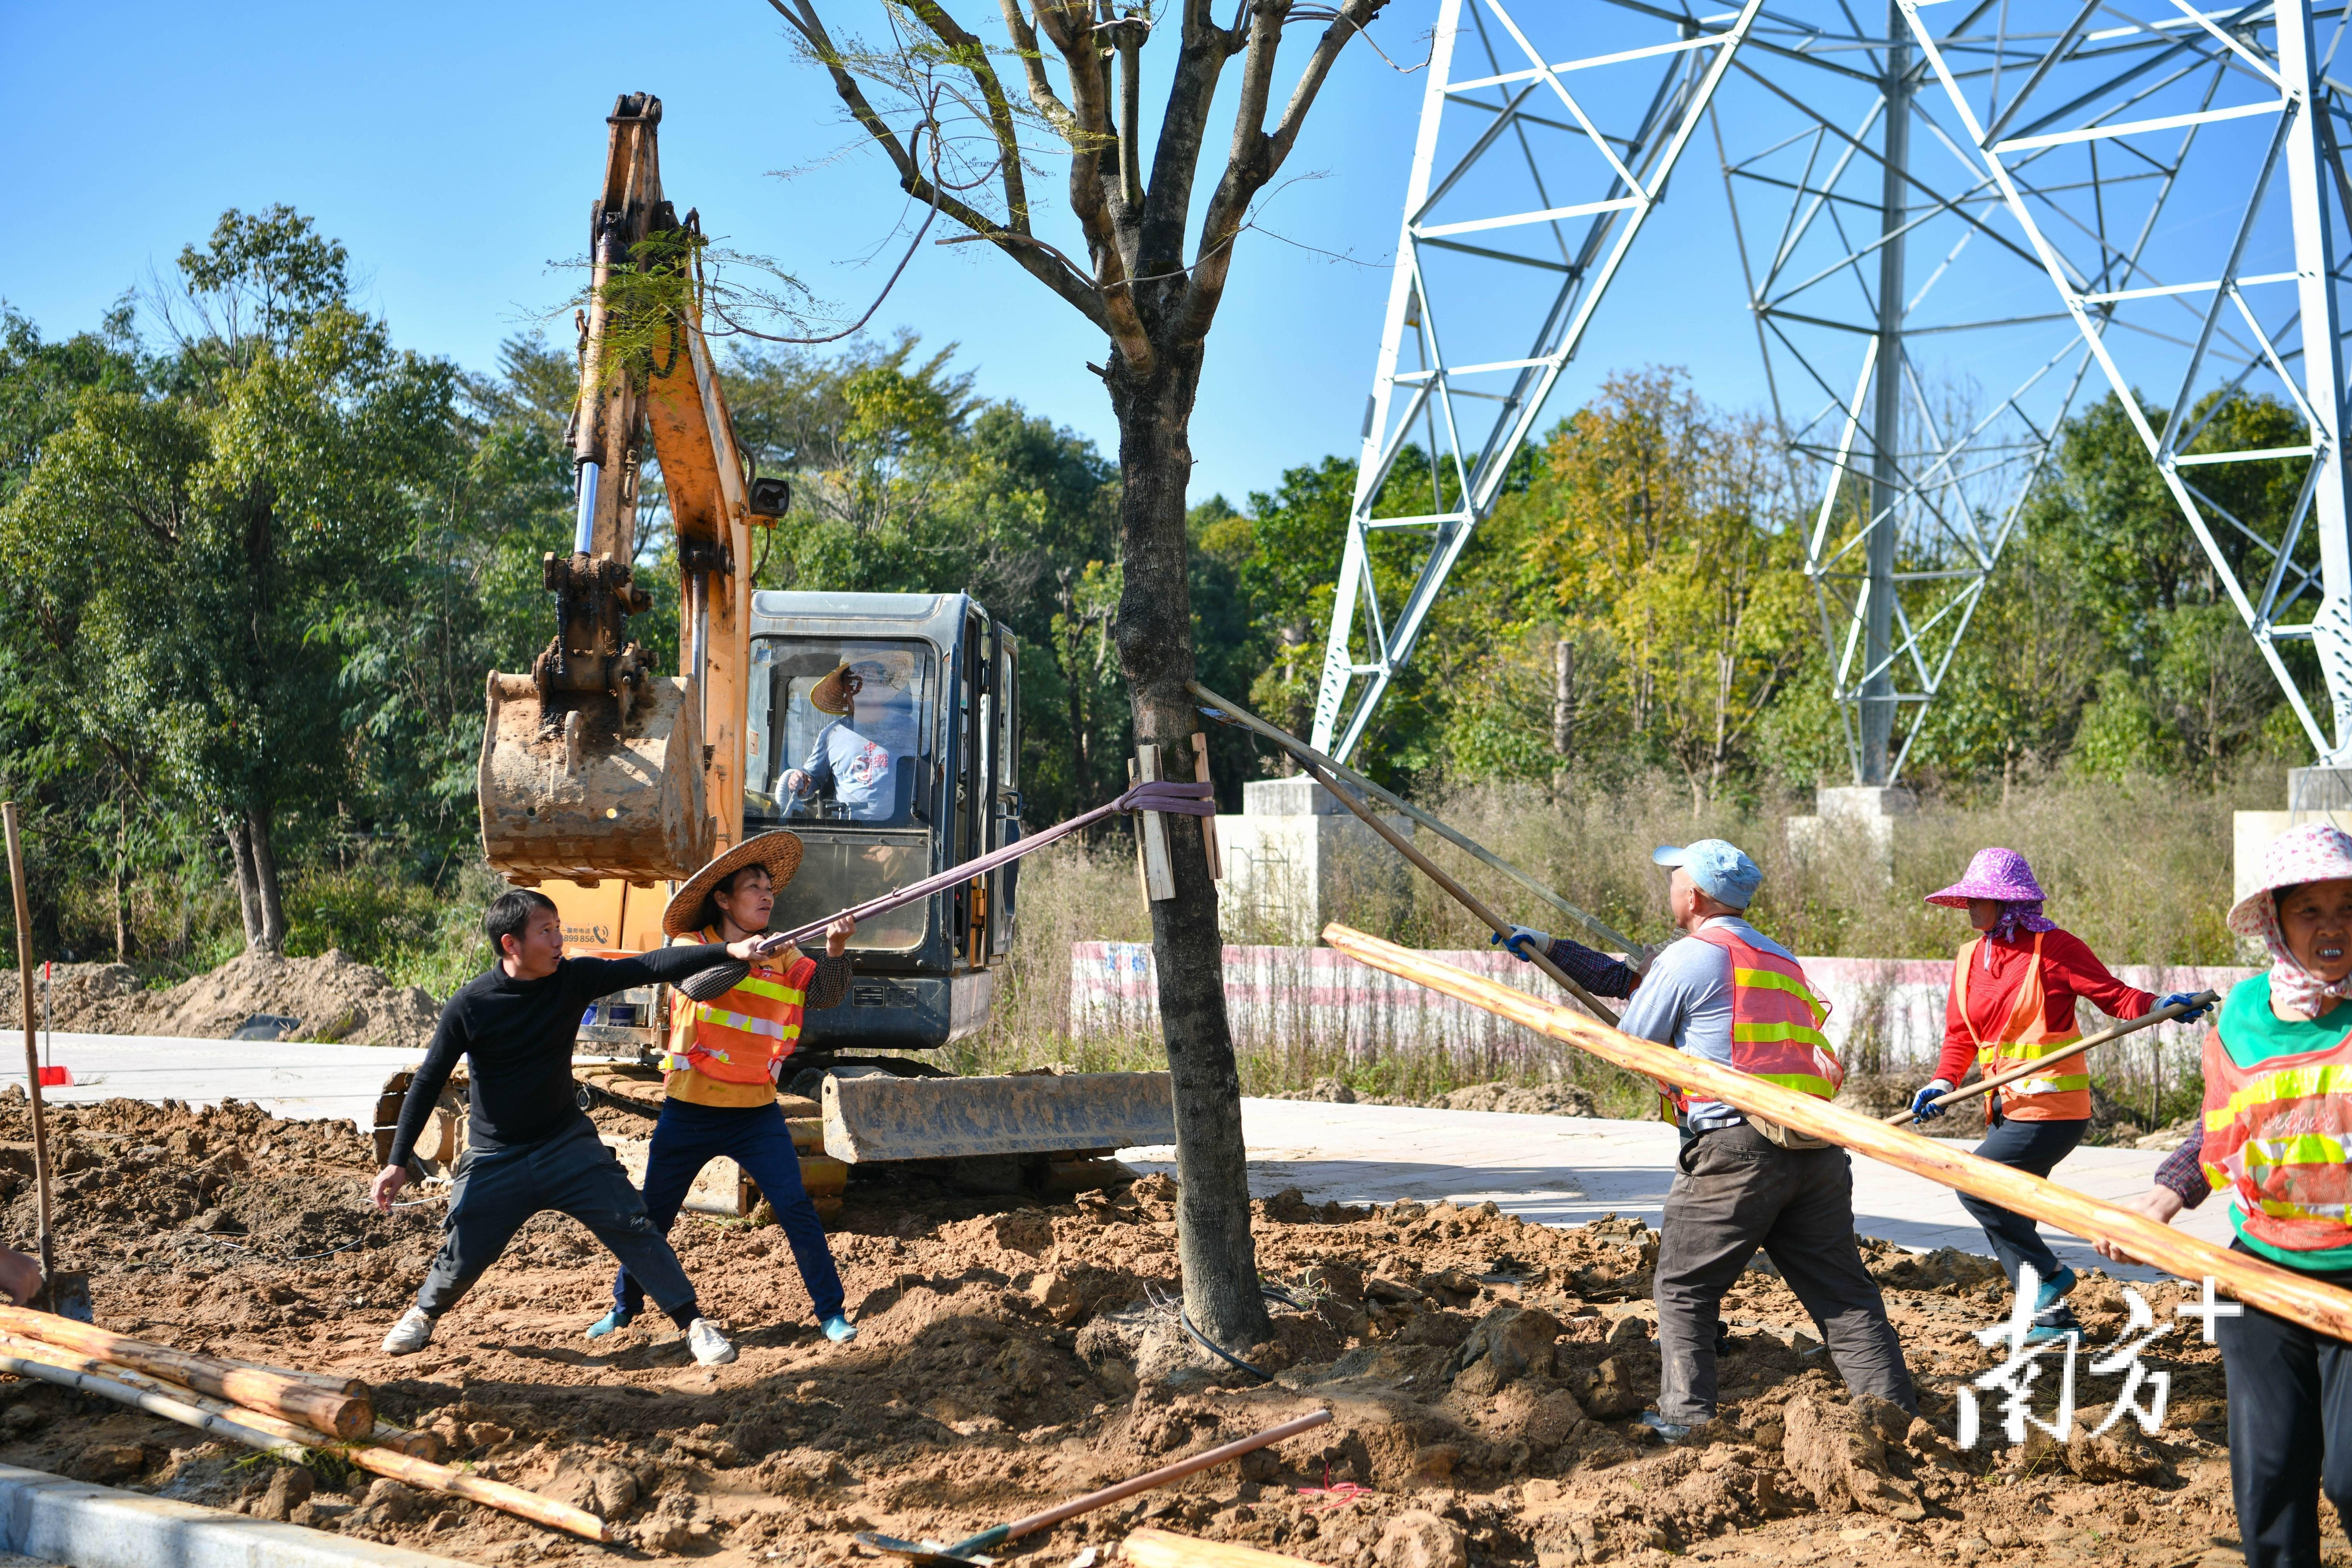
(733, 1030)
(2014, 986)
(2278, 1116)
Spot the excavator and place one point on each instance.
(606, 782)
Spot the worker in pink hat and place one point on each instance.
(2014, 987)
(2278, 1114)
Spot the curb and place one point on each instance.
(58, 1520)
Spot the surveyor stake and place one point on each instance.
(2043, 1064)
(1229, 712)
(47, 1240)
(2296, 1297)
(964, 1551)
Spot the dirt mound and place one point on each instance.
(1485, 1376)
(333, 997)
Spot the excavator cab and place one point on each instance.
(920, 775)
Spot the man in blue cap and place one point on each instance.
(1730, 994)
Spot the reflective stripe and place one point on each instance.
(1772, 980)
(2286, 1083)
(2278, 1208)
(2050, 1083)
(791, 995)
(743, 1022)
(1760, 1032)
(2297, 1149)
(1804, 1083)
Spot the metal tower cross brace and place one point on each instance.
(1945, 222)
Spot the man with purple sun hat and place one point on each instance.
(2014, 986)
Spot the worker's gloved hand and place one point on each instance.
(2185, 996)
(1520, 939)
(1923, 1104)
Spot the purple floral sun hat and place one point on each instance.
(1998, 874)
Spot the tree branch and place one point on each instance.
(1258, 156)
(972, 56)
(1033, 65)
(802, 17)
(1070, 25)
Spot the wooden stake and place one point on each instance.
(295, 1440)
(2298, 1297)
(338, 1415)
(1986, 1086)
(1208, 822)
(156, 1403)
(1151, 830)
(47, 1234)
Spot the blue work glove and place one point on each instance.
(2193, 1014)
(1518, 940)
(1923, 1104)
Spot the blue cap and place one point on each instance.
(1723, 872)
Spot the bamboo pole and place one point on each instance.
(2296, 1297)
(281, 1435)
(1234, 713)
(47, 1234)
(338, 1415)
(1986, 1086)
(1461, 895)
(156, 1404)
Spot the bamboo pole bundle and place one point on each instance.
(155, 1402)
(2296, 1297)
(338, 1414)
(221, 1418)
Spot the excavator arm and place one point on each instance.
(594, 765)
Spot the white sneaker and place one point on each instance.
(412, 1333)
(709, 1346)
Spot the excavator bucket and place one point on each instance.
(577, 787)
(879, 1117)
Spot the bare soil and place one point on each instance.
(333, 997)
(1484, 1375)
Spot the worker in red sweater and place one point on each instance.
(2014, 986)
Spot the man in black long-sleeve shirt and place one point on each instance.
(528, 1147)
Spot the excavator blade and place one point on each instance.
(878, 1116)
(575, 790)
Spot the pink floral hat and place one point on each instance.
(1998, 874)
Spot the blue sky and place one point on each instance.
(454, 149)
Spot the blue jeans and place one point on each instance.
(2030, 1146)
(689, 1137)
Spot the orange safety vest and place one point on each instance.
(2063, 1094)
(740, 1037)
(1776, 1021)
(2275, 1136)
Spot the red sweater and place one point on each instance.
(2069, 970)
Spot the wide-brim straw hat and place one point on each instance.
(2316, 852)
(1997, 874)
(832, 693)
(779, 852)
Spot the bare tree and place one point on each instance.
(964, 148)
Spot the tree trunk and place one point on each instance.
(122, 943)
(1563, 699)
(1155, 645)
(267, 895)
(248, 890)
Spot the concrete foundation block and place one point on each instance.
(52, 1520)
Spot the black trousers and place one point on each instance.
(497, 1190)
(1735, 1191)
(2290, 1431)
(2034, 1147)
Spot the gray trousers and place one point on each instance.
(496, 1191)
(1735, 1191)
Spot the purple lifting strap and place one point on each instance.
(1187, 798)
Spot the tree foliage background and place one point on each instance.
(256, 558)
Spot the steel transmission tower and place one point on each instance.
(1957, 222)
